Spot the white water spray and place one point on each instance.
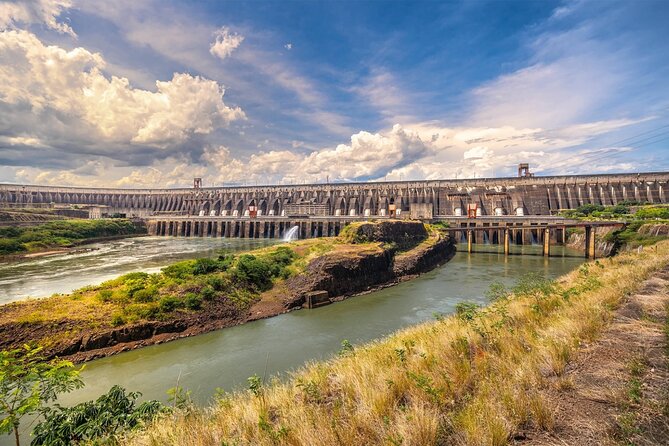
(292, 234)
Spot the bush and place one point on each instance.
(652, 213)
(254, 271)
(180, 270)
(193, 301)
(145, 295)
(170, 303)
(216, 282)
(588, 209)
(98, 422)
(11, 246)
(204, 266)
(619, 209)
(143, 311)
(117, 320)
(104, 295)
(207, 293)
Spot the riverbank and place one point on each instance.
(59, 236)
(194, 297)
(479, 377)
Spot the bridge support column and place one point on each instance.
(547, 242)
(590, 245)
(470, 237)
(507, 242)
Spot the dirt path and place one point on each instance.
(616, 391)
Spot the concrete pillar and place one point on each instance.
(547, 242)
(470, 237)
(590, 245)
(507, 237)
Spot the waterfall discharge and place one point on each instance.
(292, 234)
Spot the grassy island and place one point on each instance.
(61, 234)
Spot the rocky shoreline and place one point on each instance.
(335, 275)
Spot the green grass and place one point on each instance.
(61, 233)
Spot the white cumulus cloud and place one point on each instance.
(54, 94)
(226, 42)
(27, 12)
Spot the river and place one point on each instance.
(226, 358)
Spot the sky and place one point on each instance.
(151, 93)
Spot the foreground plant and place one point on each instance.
(100, 421)
(28, 383)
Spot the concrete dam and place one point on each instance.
(427, 199)
(518, 210)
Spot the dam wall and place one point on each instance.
(419, 199)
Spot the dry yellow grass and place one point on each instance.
(453, 381)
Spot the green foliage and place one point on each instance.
(104, 295)
(534, 283)
(654, 212)
(61, 233)
(99, 421)
(28, 383)
(255, 385)
(630, 236)
(180, 270)
(208, 293)
(145, 295)
(117, 319)
(179, 398)
(497, 291)
(9, 246)
(441, 225)
(466, 311)
(193, 301)
(168, 304)
(259, 271)
(347, 348)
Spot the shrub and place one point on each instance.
(145, 295)
(100, 421)
(652, 213)
(588, 209)
(104, 295)
(180, 270)
(8, 246)
(216, 282)
(117, 319)
(143, 311)
(204, 266)
(254, 271)
(170, 303)
(207, 293)
(466, 311)
(193, 301)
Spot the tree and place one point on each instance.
(28, 383)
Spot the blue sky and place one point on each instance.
(152, 93)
